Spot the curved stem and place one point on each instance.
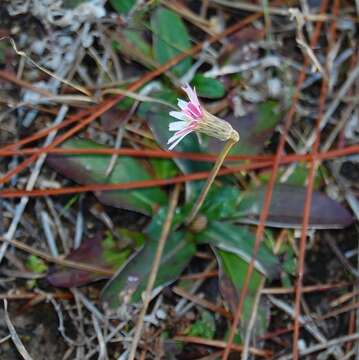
(212, 175)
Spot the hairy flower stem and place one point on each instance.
(221, 157)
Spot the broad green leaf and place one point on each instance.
(208, 87)
(132, 44)
(87, 169)
(286, 209)
(138, 41)
(164, 168)
(122, 6)
(130, 281)
(232, 273)
(240, 241)
(170, 38)
(221, 202)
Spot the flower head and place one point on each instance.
(193, 117)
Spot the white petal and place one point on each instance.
(177, 125)
(178, 115)
(182, 104)
(177, 141)
(173, 138)
(192, 95)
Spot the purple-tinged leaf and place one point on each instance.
(286, 209)
(105, 252)
(90, 252)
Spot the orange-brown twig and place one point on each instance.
(306, 216)
(145, 153)
(268, 196)
(102, 108)
(12, 193)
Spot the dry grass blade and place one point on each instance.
(202, 302)
(222, 345)
(51, 74)
(326, 345)
(14, 336)
(154, 270)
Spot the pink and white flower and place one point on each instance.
(190, 115)
(193, 117)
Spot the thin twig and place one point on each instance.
(324, 155)
(221, 344)
(323, 346)
(11, 193)
(63, 262)
(102, 353)
(305, 223)
(268, 196)
(14, 336)
(55, 76)
(202, 302)
(252, 320)
(154, 270)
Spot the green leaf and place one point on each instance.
(35, 264)
(221, 202)
(164, 168)
(170, 38)
(268, 116)
(138, 41)
(208, 87)
(232, 273)
(240, 241)
(111, 254)
(300, 174)
(132, 44)
(87, 169)
(131, 280)
(122, 6)
(205, 327)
